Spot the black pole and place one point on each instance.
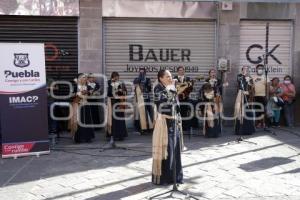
(174, 145)
(265, 61)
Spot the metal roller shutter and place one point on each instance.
(255, 39)
(185, 37)
(59, 34)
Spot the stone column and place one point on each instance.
(229, 47)
(296, 61)
(90, 36)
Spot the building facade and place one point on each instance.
(101, 36)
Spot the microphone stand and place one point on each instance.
(240, 138)
(173, 149)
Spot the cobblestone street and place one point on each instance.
(263, 166)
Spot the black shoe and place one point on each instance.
(142, 133)
(149, 130)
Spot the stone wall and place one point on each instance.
(91, 52)
(90, 36)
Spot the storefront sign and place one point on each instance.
(267, 43)
(23, 99)
(131, 44)
(155, 59)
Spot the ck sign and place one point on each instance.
(269, 51)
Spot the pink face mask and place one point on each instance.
(286, 81)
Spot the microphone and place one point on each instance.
(172, 89)
(240, 78)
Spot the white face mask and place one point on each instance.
(260, 72)
(287, 81)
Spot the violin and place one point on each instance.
(119, 91)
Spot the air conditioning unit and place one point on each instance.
(226, 5)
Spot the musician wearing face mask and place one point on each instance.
(260, 95)
(244, 116)
(184, 88)
(289, 94)
(143, 112)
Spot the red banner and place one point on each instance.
(18, 148)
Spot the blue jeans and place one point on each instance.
(289, 114)
(276, 115)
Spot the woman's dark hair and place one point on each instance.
(244, 67)
(180, 67)
(114, 74)
(275, 78)
(80, 75)
(211, 71)
(206, 87)
(259, 66)
(161, 74)
(287, 76)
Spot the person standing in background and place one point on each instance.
(289, 94)
(93, 88)
(184, 82)
(81, 132)
(142, 98)
(210, 110)
(275, 97)
(260, 94)
(116, 95)
(52, 124)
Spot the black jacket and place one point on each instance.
(164, 100)
(185, 79)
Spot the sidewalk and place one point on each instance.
(263, 166)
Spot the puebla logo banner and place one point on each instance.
(23, 99)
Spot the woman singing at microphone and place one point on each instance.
(167, 125)
(244, 122)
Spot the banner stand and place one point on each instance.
(37, 154)
(23, 100)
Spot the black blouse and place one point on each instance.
(121, 89)
(144, 83)
(217, 86)
(243, 83)
(164, 100)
